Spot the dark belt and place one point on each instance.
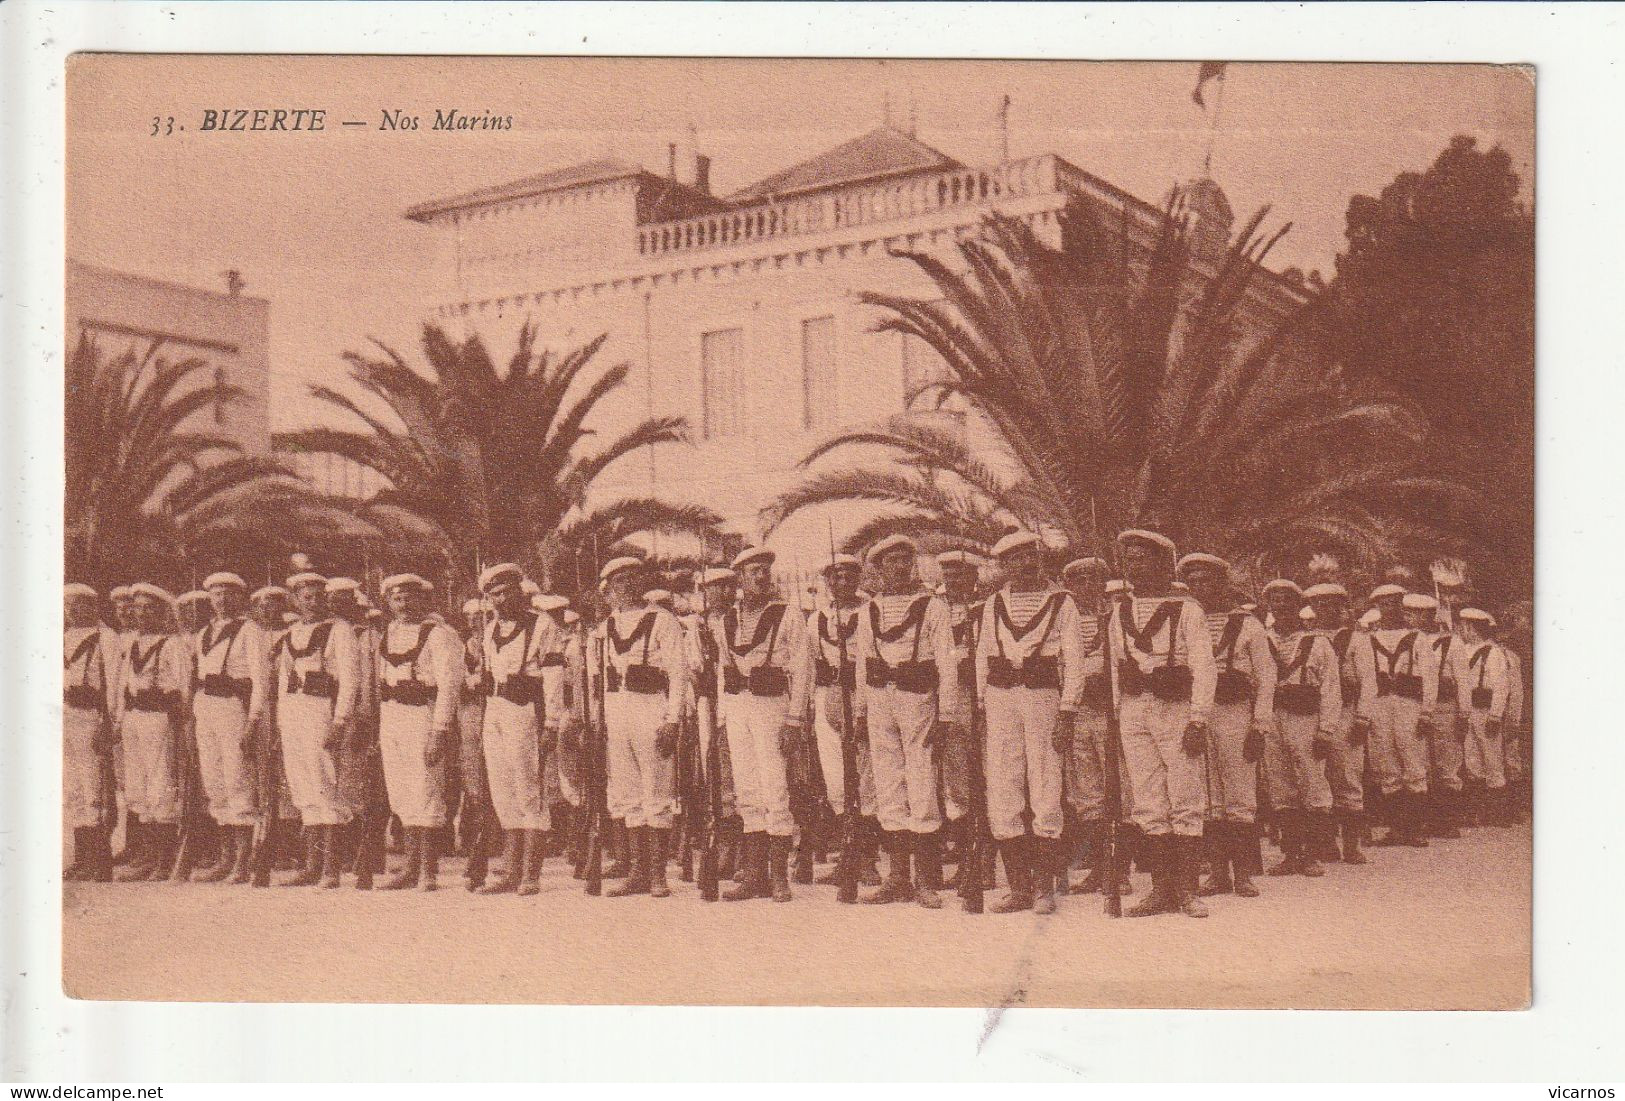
(221, 686)
(767, 681)
(1035, 672)
(824, 676)
(1097, 692)
(1406, 685)
(84, 697)
(1447, 691)
(1170, 683)
(1481, 698)
(412, 693)
(151, 700)
(1232, 686)
(640, 678)
(518, 690)
(314, 684)
(918, 677)
(1297, 699)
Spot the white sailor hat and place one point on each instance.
(120, 592)
(1117, 586)
(888, 544)
(1248, 607)
(502, 570)
(224, 578)
(342, 585)
(1283, 584)
(474, 606)
(1083, 565)
(716, 575)
(661, 597)
(957, 558)
(617, 566)
(1419, 602)
(841, 560)
(549, 602)
(1306, 613)
(1014, 541)
(1179, 587)
(1477, 615)
(305, 577)
(268, 590)
(1370, 618)
(404, 581)
(1153, 538)
(290, 617)
(753, 554)
(1325, 589)
(529, 587)
(1200, 559)
(152, 592)
(192, 596)
(1387, 589)
(571, 616)
(78, 590)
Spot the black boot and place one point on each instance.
(413, 871)
(804, 857)
(637, 880)
(778, 867)
(1220, 845)
(139, 858)
(1320, 834)
(1156, 855)
(1095, 837)
(1018, 870)
(753, 863)
(513, 866)
(1291, 827)
(1443, 808)
(899, 884)
(659, 846)
(1050, 860)
(1412, 815)
(1188, 852)
(928, 863)
(1246, 857)
(621, 857)
(132, 843)
(1353, 829)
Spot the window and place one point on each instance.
(722, 382)
(818, 372)
(921, 367)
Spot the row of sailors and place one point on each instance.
(1215, 709)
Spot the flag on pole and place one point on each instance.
(1208, 70)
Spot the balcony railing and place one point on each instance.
(842, 209)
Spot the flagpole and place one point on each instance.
(1213, 127)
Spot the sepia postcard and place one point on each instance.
(682, 531)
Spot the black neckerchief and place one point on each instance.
(317, 640)
(523, 625)
(768, 622)
(622, 645)
(1050, 607)
(1226, 650)
(81, 650)
(1403, 646)
(138, 660)
(1144, 638)
(407, 657)
(228, 635)
(845, 627)
(1300, 660)
(915, 618)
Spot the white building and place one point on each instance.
(229, 331)
(741, 313)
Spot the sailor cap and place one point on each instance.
(753, 554)
(492, 574)
(549, 602)
(1283, 583)
(305, 577)
(474, 606)
(661, 597)
(404, 581)
(841, 560)
(1083, 566)
(571, 616)
(1419, 602)
(617, 566)
(1118, 586)
(889, 544)
(957, 558)
(192, 596)
(1306, 613)
(290, 617)
(120, 592)
(716, 575)
(1179, 587)
(529, 587)
(224, 578)
(1324, 589)
(1152, 538)
(1370, 618)
(1199, 559)
(1477, 615)
(1387, 589)
(1013, 542)
(343, 585)
(78, 590)
(152, 592)
(268, 590)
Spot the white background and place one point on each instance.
(1571, 1036)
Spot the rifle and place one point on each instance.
(977, 839)
(192, 808)
(846, 872)
(596, 793)
(1111, 885)
(705, 733)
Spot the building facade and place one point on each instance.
(229, 331)
(742, 313)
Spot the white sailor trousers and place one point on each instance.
(471, 750)
(1397, 751)
(826, 728)
(1444, 748)
(221, 725)
(417, 792)
(83, 794)
(1485, 753)
(761, 776)
(905, 772)
(642, 782)
(953, 758)
(1233, 779)
(1345, 769)
(1297, 780)
(304, 723)
(513, 764)
(1023, 768)
(151, 766)
(1086, 765)
(1169, 785)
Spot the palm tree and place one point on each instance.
(491, 464)
(1125, 395)
(139, 484)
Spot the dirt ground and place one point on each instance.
(1446, 927)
